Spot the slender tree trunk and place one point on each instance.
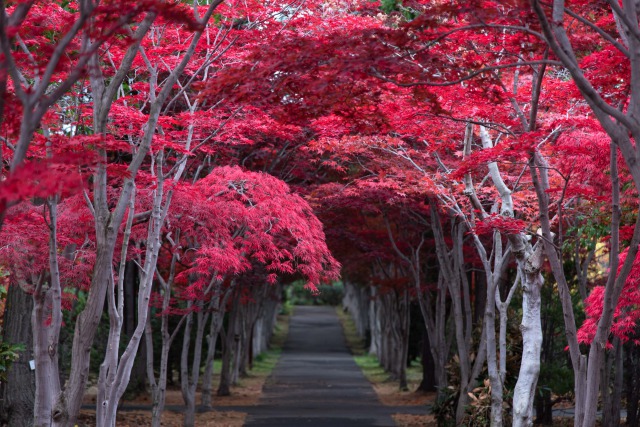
(190, 382)
(531, 327)
(224, 388)
(374, 322)
(46, 322)
(131, 287)
(451, 265)
(632, 383)
(218, 306)
(611, 385)
(428, 382)
(130, 291)
(188, 395)
(212, 339)
(492, 359)
(159, 386)
(85, 329)
(237, 343)
(115, 371)
(404, 323)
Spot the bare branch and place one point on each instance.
(469, 76)
(600, 31)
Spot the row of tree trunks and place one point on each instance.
(250, 325)
(383, 314)
(356, 302)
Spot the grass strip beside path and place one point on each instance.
(249, 389)
(386, 388)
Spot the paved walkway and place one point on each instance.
(316, 383)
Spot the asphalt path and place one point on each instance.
(316, 381)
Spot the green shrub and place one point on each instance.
(332, 294)
(9, 353)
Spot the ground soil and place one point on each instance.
(171, 419)
(407, 420)
(245, 394)
(390, 395)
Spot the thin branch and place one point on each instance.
(469, 76)
(599, 30)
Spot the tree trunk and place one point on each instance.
(84, 332)
(238, 339)
(479, 289)
(138, 372)
(219, 305)
(130, 290)
(225, 374)
(190, 381)
(46, 321)
(188, 394)
(212, 339)
(404, 322)
(356, 302)
(374, 322)
(632, 383)
(531, 327)
(428, 382)
(492, 360)
(159, 386)
(115, 370)
(612, 393)
(17, 394)
(224, 388)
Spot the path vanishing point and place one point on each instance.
(316, 382)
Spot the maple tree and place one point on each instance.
(120, 116)
(227, 224)
(419, 56)
(439, 142)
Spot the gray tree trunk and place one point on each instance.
(531, 327)
(217, 316)
(189, 378)
(17, 394)
(224, 388)
(374, 322)
(46, 321)
(611, 391)
(159, 385)
(207, 377)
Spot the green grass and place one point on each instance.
(371, 368)
(354, 342)
(264, 363)
(369, 363)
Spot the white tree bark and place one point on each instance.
(374, 322)
(159, 385)
(115, 372)
(46, 320)
(529, 264)
(502, 309)
(217, 317)
(531, 327)
(108, 220)
(189, 376)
